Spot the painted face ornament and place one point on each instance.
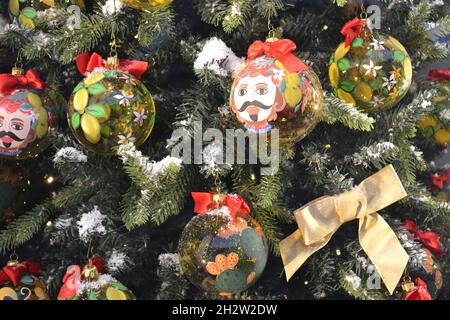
(257, 96)
(275, 89)
(24, 116)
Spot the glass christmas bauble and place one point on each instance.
(432, 274)
(222, 256)
(436, 125)
(265, 95)
(91, 283)
(373, 73)
(24, 12)
(111, 107)
(20, 281)
(26, 118)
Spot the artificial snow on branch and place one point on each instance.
(70, 154)
(376, 154)
(112, 7)
(117, 261)
(91, 224)
(337, 111)
(217, 57)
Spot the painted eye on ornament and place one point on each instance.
(242, 92)
(17, 126)
(261, 91)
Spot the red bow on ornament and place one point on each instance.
(74, 275)
(351, 30)
(439, 181)
(206, 201)
(439, 75)
(420, 291)
(10, 82)
(14, 271)
(87, 63)
(281, 50)
(430, 239)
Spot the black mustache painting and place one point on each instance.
(260, 105)
(11, 135)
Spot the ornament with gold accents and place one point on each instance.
(110, 106)
(26, 114)
(223, 251)
(25, 12)
(371, 71)
(20, 281)
(436, 125)
(146, 4)
(275, 89)
(92, 283)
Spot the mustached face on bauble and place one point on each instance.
(17, 124)
(257, 94)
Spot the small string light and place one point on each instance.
(306, 282)
(49, 223)
(338, 252)
(253, 177)
(325, 27)
(50, 179)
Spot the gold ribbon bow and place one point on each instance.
(320, 219)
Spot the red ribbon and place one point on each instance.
(10, 82)
(87, 63)
(420, 292)
(439, 75)
(439, 181)
(281, 50)
(430, 239)
(351, 30)
(14, 273)
(73, 278)
(204, 202)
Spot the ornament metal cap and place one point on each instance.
(90, 273)
(407, 284)
(13, 263)
(112, 62)
(17, 71)
(218, 199)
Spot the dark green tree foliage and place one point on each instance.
(142, 197)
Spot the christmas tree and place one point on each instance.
(128, 201)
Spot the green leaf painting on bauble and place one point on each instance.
(75, 120)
